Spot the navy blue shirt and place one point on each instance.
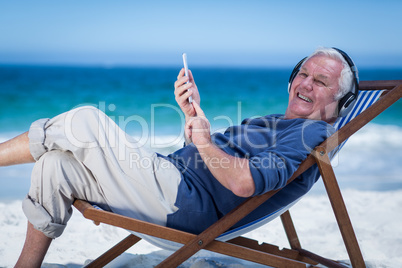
(274, 146)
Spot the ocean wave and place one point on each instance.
(373, 147)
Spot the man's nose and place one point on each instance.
(307, 83)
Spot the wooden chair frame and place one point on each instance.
(248, 249)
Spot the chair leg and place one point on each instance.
(290, 230)
(338, 206)
(115, 251)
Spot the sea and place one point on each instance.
(141, 101)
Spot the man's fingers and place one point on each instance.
(181, 73)
(198, 109)
(181, 82)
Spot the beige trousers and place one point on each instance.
(83, 154)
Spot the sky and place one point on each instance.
(212, 33)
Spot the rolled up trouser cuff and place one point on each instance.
(40, 218)
(36, 137)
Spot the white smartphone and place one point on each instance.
(190, 99)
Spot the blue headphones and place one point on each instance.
(346, 102)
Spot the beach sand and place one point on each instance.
(376, 217)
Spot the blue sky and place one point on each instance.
(229, 33)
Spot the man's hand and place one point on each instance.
(197, 128)
(183, 91)
(232, 172)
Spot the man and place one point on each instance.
(82, 154)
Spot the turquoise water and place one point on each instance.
(134, 95)
(29, 92)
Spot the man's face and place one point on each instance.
(313, 89)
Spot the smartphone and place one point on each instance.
(190, 99)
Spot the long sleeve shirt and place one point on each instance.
(274, 147)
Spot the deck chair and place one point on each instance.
(217, 239)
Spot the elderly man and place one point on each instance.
(82, 154)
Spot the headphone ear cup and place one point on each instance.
(346, 104)
(296, 69)
(348, 101)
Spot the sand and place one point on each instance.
(376, 217)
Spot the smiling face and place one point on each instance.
(312, 94)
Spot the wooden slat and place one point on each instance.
(321, 260)
(245, 254)
(128, 223)
(379, 84)
(272, 249)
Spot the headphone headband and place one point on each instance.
(346, 102)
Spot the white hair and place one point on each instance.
(346, 79)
